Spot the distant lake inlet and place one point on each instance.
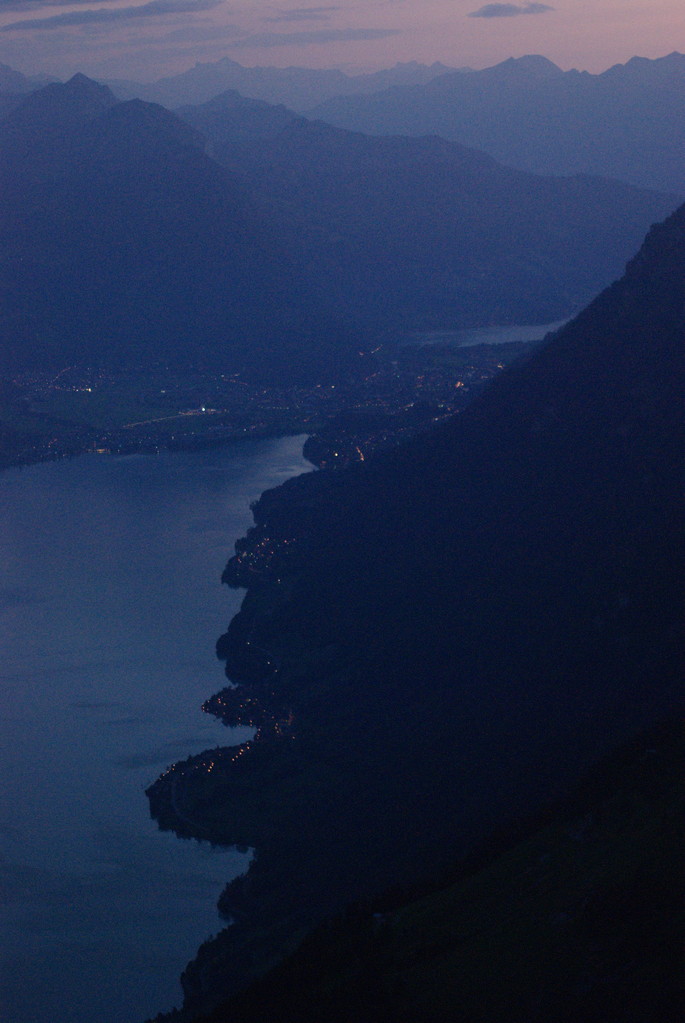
(471, 336)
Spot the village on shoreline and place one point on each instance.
(402, 390)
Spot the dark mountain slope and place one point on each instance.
(441, 639)
(13, 82)
(123, 242)
(50, 112)
(627, 123)
(13, 88)
(423, 231)
(577, 915)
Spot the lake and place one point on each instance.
(110, 606)
(468, 337)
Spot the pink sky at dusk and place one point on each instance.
(146, 39)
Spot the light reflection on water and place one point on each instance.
(110, 606)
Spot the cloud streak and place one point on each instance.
(28, 5)
(509, 10)
(304, 14)
(153, 9)
(319, 36)
(12, 5)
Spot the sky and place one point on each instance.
(147, 39)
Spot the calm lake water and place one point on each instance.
(470, 336)
(110, 606)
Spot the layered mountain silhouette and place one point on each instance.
(125, 240)
(125, 243)
(627, 123)
(14, 86)
(442, 638)
(428, 224)
(299, 88)
(12, 81)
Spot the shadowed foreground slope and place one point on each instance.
(577, 915)
(442, 639)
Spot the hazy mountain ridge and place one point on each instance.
(423, 219)
(296, 87)
(446, 635)
(13, 81)
(123, 239)
(626, 123)
(36, 135)
(14, 86)
(124, 242)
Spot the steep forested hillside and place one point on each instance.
(441, 639)
(574, 915)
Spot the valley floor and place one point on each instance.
(80, 410)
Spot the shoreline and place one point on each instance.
(327, 809)
(401, 390)
(87, 653)
(155, 449)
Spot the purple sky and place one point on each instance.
(146, 39)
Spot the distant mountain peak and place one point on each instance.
(153, 121)
(645, 67)
(80, 79)
(13, 81)
(533, 63)
(671, 58)
(80, 85)
(61, 105)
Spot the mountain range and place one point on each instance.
(439, 230)
(258, 241)
(626, 123)
(299, 88)
(125, 244)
